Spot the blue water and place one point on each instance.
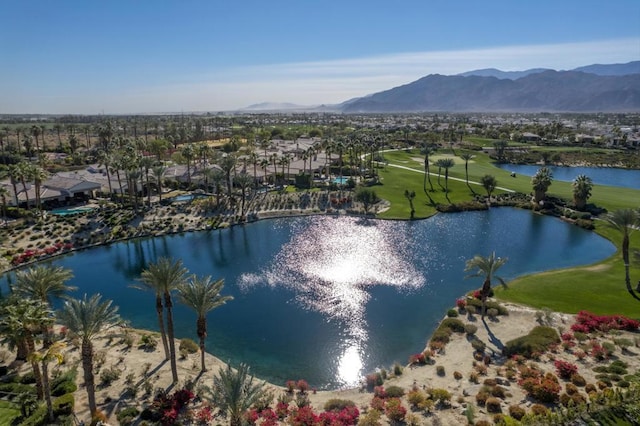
(340, 180)
(67, 211)
(626, 178)
(329, 299)
(188, 197)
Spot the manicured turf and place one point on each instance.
(8, 412)
(599, 288)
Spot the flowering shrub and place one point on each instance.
(30, 254)
(373, 379)
(251, 416)
(302, 385)
(379, 392)
(291, 385)
(394, 410)
(377, 403)
(543, 389)
(269, 417)
(565, 369)
(587, 322)
(204, 415)
(417, 359)
(305, 417)
(598, 352)
(461, 303)
(348, 416)
(282, 410)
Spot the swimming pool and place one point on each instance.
(187, 197)
(67, 211)
(341, 180)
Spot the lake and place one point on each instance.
(611, 176)
(329, 299)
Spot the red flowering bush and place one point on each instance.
(251, 416)
(269, 417)
(305, 417)
(291, 385)
(377, 403)
(598, 352)
(565, 369)
(477, 294)
(379, 392)
(302, 385)
(204, 415)
(587, 322)
(373, 379)
(394, 410)
(418, 359)
(348, 416)
(282, 410)
(461, 303)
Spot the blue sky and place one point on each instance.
(135, 56)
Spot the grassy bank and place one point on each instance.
(599, 288)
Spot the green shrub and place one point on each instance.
(578, 380)
(397, 369)
(493, 405)
(64, 405)
(28, 378)
(64, 388)
(477, 303)
(394, 391)
(109, 375)
(517, 412)
(478, 345)
(440, 370)
(337, 404)
(189, 346)
(453, 324)
(537, 341)
(37, 418)
(10, 390)
(126, 416)
(470, 329)
(452, 313)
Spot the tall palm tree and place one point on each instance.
(163, 277)
(581, 186)
(159, 173)
(228, 165)
(244, 181)
(202, 295)
(86, 318)
(234, 392)
(466, 157)
(45, 356)
(486, 267)
(541, 182)
(427, 150)
(489, 183)
(625, 221)
(14, 177)
(4, 192)
(446, 164)
(39, 175)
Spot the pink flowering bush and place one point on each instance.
(304, 417)
(565, 369)
(587, 322)
(461, 303)
(379, 392)
(394, 410)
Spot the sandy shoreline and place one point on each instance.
(149, 366)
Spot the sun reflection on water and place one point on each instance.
(330, 265)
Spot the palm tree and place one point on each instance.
(20, 321)
(541, 182)
(39, 175)
(45, 356)
(410, 195)
(487, 267)
(624, 221)
(228, 165)
(466, 157)
(86, 318)
(163, 277)
(446, 164)
(489, 183)
(3, 196)
(202, 295)
(244, 181)
(14, 177)
(427, 150)
(43, 283)
(582, 186)
(159, 173)
(234, 392)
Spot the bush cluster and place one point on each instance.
(587, 322)
(536, 342)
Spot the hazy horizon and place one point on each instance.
(123, 57)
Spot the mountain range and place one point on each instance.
(592, 88)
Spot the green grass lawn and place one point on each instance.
(598, 288)
(8, 412)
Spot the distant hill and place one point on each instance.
(271, 106)
(598, 69)
(511, 75)
(564, 91)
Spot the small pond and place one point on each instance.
(328, 299)
(626, 178)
